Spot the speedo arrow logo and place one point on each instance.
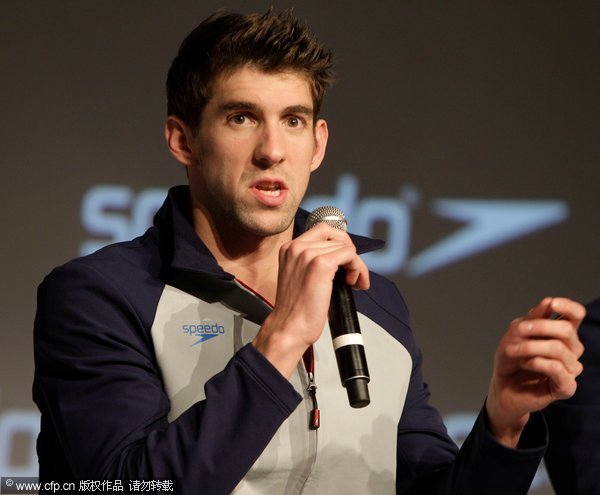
(203, 338)
(488, 223)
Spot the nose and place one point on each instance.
(270, 146)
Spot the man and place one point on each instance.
(573, 455)
(191, 354)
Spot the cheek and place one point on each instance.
(303, 165)
(217, 158)
(302, 179)
(310, 152)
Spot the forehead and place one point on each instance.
(257, 86)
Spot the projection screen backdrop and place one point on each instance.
(466, 136)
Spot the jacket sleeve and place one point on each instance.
(428, 460)
(104, 408)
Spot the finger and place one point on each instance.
(562, 384)
(567, 309)
(323, 240)
(357, 274)
(327, 259)
(324, 231)
(562, 330)
(558, 307)
(334, 255)
(303, 251)
(319, 248)
(546, 348)
(543, 309)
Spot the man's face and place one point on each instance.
(254, 151)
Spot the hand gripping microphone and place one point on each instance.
(343, 321)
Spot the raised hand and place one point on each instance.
(536, 363)
(307, 266)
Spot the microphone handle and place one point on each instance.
(348, 343)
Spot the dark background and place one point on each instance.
(469, 100)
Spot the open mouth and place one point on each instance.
(269, 189)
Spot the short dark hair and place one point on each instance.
(226, 41)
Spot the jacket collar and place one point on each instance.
(188, 253)
(363, 244)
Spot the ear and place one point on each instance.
(321, 136)
(179, 140)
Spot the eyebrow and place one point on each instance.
(299, 109)
(251, 107)
(237, 105)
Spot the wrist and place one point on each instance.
(506, 429)
(281, 349)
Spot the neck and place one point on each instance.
(257, 270)
(252, 259)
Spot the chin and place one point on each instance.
(265, 227)
(268, 230)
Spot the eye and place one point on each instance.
(243, 119)
(239, 119)
(294, 122)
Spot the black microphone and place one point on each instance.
(343, 321)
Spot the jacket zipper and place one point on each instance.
(314, 420)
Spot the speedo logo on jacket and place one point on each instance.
(206, 330)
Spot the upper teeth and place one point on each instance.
(270, 190)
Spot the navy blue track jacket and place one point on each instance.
(144, 371)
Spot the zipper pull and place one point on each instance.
(314, 421)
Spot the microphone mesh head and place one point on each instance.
(331, 215)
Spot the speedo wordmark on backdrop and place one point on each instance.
(114, 213)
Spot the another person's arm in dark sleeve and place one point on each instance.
(573, 455)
